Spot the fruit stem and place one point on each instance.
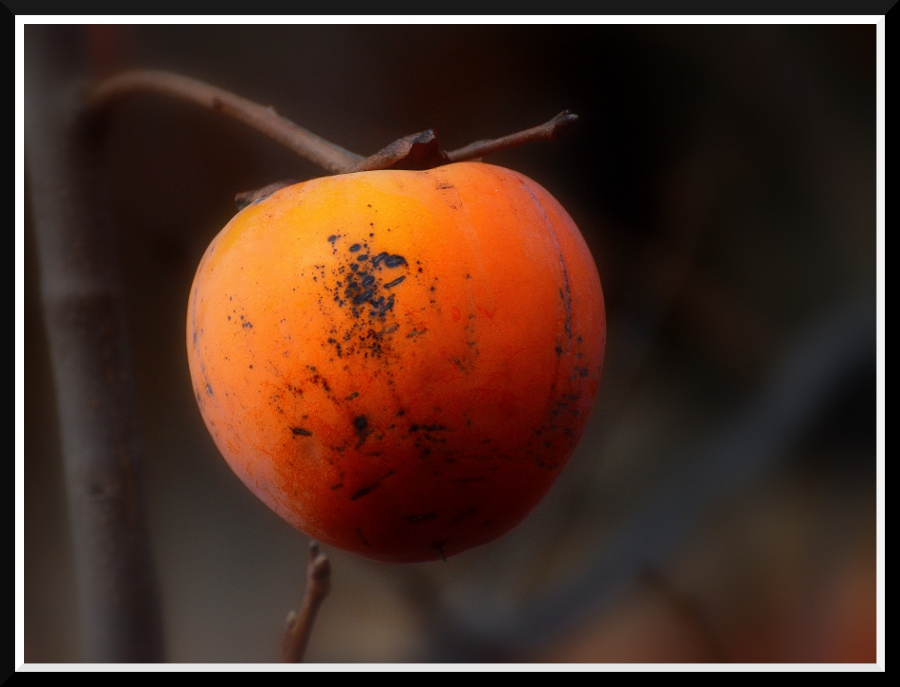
(318, 586)
(545, 132)
(266, 120)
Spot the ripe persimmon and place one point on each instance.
(399, 363)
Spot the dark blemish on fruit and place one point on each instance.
(352, 396)
(392, 284)
(209, 389)
(365, 490)
(439, 545)
(369, 489)
(333, 238)
(299, 431)
(316, 379)
(337, 486)
(355, 247)
(388, 260)
(427, 428)
(247, 325)
(421, 518)
(401, 413)
(359, 531)
(362, 258)
(361, 426)
(362, 297)
(558, 350)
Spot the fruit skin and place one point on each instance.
(399, 363)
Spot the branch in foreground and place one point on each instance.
(416, 151)
(422, 151)
(264, 119)
(299, 628)
(545, 132)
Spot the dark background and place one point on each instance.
(721, 505)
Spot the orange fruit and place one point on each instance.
(399, 363)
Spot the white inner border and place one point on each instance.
(22, 20)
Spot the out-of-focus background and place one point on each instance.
(721, 505)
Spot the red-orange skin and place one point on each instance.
(417, 426)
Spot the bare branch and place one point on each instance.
(264, 119)
(421, 150)
(545, 132)
(318, 586)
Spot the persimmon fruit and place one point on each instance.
(399, 363)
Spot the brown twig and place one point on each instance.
(264, 119)
(416, 151)
(545, 132)
(299, 628)
(421, 150)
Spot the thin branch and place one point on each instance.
(545, 132)
(299, 628)
(264, 119)
(416, 151)
(422, 151)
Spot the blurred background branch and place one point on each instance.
(84, 314)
